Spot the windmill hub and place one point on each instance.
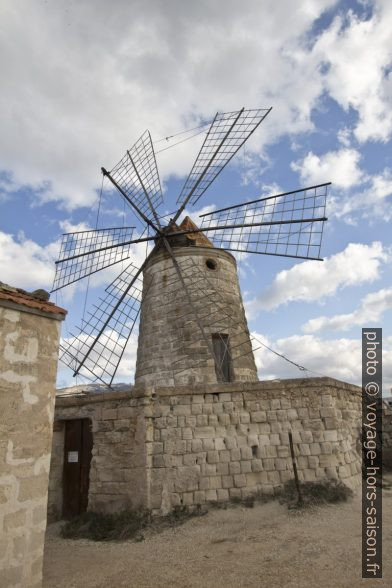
(179, 235)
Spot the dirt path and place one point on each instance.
(238, 547)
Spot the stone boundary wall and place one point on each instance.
(230, 443)
(118, 475)
(158, 448)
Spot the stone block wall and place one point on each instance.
(118, 475)
(55, 490)
(171, 349)
(163, 447)
(30, 330)
(231, 443)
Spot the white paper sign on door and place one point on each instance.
(73, 456)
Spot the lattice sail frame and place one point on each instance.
(288, 224)
(79, 257)
(137, 174)
(100, 343)
(227, 134)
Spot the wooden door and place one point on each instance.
(78, 444)
(220, 343)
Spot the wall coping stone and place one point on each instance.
(281, 386)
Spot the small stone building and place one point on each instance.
(29, 337)
(158, 447)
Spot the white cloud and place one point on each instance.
(337, 358)
(25, 264)
(126, 368)
(358, 53)
(28, 265)
(195, 214)
(370, 201)
(344, 136)
(339, 167)
(84, 82)
(371, 310)
(83, 89)
(311, 281)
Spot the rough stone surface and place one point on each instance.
(118, 476)
(178, 449)
(171, 348)
(30, 332)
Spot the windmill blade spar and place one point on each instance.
(83, 253)
(288, 224)
(136, 176)
(101, 341)
(227, 133)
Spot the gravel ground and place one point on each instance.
(254, 547)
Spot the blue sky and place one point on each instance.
(82, 84)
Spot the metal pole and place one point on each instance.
(203, 230)
(145, 191)
(267, 198)
(300, 499)
(112, 313)
(207, 166)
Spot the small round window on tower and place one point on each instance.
(211, 264)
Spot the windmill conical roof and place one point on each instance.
(199, 239)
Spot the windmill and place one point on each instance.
(192, 323)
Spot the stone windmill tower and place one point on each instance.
(172, 348)
(186, 293)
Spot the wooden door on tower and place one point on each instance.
(78, 443)
(223, 367)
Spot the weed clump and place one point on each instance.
(126, 524)
(133, 524)
(120, 526)
(314, 493)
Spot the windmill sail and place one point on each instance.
(227, 134)
(99, 346)
(288, 224)
(83, 253)
(137, 176)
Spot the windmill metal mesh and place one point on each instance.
(297, 233)
(101, 341)
(228, 132)
(137, 175)
(78, 256)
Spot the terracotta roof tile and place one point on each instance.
(34, 300)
